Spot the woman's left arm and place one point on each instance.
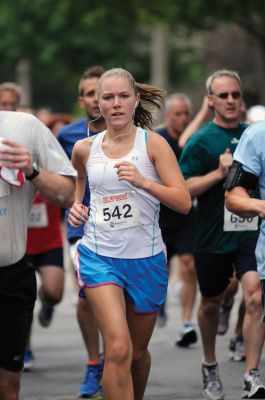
(172, 191)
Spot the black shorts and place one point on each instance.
(50, 257)
(178, 242)
(17, 298)
(214, 271)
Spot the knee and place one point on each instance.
(139, 355)
(120, 353)
(210, 308)
(253, 302)
(187, 268)
(52, 296)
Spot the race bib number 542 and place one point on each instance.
(234, 223)
(117, 211)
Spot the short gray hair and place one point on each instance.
(178, 96)
(12, 87)
(219, 74)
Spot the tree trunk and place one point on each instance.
(23, 79)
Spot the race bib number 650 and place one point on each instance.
(117, 211)
(234, 223)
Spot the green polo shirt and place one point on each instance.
(199, 157)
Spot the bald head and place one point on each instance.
(177, 113)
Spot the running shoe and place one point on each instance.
(28, 360)
(237, 349)
(224, 315)
(187, 336)
(212, 386)
(91, 387)
(253, 388)
(46, 312)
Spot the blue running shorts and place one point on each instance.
(143, 280)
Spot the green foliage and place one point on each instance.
(61, 38)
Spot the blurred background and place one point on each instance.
(175, 44)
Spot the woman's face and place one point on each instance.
(117, 101)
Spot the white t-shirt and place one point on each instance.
(15, 202)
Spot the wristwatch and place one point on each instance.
(35, 172)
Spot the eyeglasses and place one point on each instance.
(224, 95)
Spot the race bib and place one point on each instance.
(38, 217)
(234, 223)
(117, 211)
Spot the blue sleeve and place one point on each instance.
(250, 150)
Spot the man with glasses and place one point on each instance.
(223, 242)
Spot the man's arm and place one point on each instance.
(239, 202)
(200, 118)
(57, 188)
(200, 184)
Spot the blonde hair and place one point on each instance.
(151, 98)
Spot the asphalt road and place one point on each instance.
(175, 374)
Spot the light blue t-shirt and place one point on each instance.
(250, 152)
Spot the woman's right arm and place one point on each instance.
(78, 212)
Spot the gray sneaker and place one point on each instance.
(212, 386)
(253, 388)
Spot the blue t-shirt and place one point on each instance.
(67, 137)
(250, 152)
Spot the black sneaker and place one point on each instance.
(187, 336)
(212, 386)
(253, 388)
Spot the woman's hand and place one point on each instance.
(78, 214)
(128, 172)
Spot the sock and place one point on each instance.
(213, 364)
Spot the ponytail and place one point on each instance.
(151, 100)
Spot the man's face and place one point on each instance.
(178, 116)
(8, 100)
(226, 100)
(89, 100)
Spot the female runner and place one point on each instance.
(122, 265)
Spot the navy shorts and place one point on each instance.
(178, 242)
(143, 280)
(214, 271)
(52, 257)
(17, 299)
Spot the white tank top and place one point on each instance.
(123, 220)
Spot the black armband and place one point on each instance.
(238, 177)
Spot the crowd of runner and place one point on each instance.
(121, 241)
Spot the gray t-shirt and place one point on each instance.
(15, 202)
